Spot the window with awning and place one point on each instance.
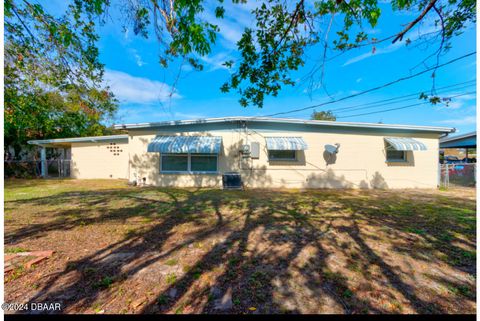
(187, 154)
(397, 148)
(404, 144)
(284, 148)
(185, 145)
(286, 143)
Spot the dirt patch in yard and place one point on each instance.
(121, 249)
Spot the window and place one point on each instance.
(203, 163)
(284, 155)
(396, 156)
(175, 163)
(195, 163)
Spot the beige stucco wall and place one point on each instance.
(360, 162)
(96, 160)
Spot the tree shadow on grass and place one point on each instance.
(249, 271)
(263, 252)
(120, 260)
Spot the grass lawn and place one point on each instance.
(121, 249)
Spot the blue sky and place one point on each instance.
(143, 87)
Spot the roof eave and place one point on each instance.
(458, 137)
(92, 139)
(283, 120)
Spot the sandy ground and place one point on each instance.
(121, 249)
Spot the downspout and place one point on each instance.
(241, 124)
(241, 158)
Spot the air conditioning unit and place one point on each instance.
(232, 180)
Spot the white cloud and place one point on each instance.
(179, 115)
(413, 36)
(231, 33)
(464, 96)
(149, 113)
(359, 80)
(138, 59)
(463, 101)
(131, 89)
(371, 31)
(186, 67)
(454, 105)
(163, 115)
(467, 120)
(237, 17)
(216, 61)
(381, 51)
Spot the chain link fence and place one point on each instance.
(33, 169)
(461, 174)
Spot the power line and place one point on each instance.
(416, 97)
(374, 88)
(403, 107)
(398, 99)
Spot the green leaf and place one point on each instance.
(219, 12)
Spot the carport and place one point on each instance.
(466, 141)
(64, 145)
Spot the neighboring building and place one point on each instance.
(266, 152)
(461, 146)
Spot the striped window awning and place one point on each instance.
(286, 143)
(404, 144)
(185, 144)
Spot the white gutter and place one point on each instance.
(77, 139)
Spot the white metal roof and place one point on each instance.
(456, 137)
(286, 121)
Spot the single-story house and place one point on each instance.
(264, 152)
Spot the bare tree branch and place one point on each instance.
(440, 49)
(292, 22)
(322, 75)
(414, 22)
